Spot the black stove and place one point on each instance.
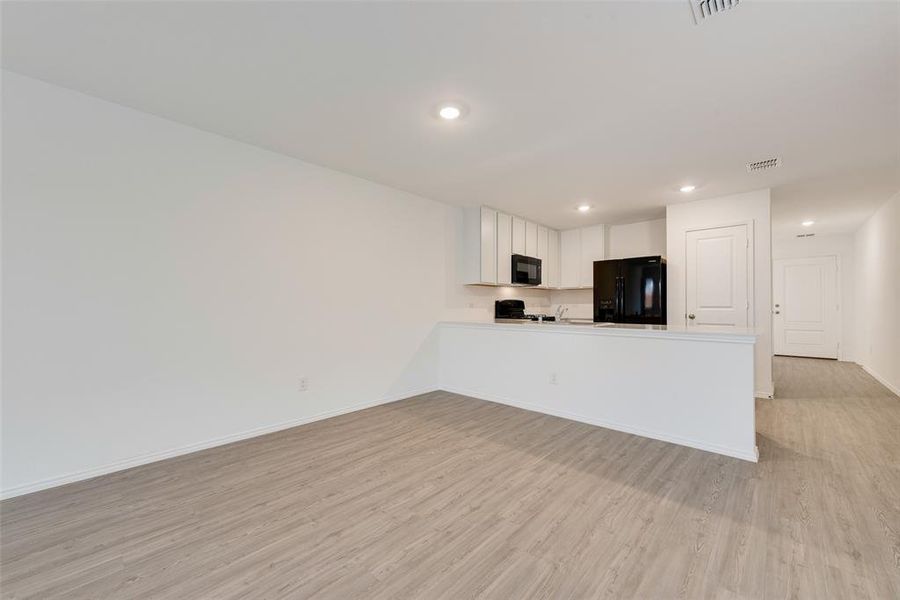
(515, 310)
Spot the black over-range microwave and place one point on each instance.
(526, 270)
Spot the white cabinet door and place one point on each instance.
(570, 258)
(488, 245)
(518, 236)
(504, 249)
(806, 308)
(543, 241)
(716, 276)
(593, 247)
(553, 258)
(531, 238)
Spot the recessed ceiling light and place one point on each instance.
(450, 112)
(688, 188)
(808, 223)
(584, 207)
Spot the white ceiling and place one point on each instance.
(619, 103)
(837, 203)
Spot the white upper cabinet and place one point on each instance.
(492, 237)
(579, 248)
(593, 247)
(543, 241)
(570, 258)
(480, 253)
(504, 249)
(488, 245)
(531, 239)
(551, 271)
(518, 236)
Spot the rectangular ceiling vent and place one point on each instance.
(703, 9)
(762, 165)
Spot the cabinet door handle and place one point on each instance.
(692, 316)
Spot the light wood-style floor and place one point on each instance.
(443, 496)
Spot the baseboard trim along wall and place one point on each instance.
(880, 379)
(767, 393)
(663, 437)
(145, 459)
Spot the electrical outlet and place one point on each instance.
(304, 384)
(554, 380)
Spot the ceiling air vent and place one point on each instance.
(762, 165)
(703, 9)
(805, 234)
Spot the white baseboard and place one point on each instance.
(882, 380)
(144, 459)
(768, 392)
(752, 456)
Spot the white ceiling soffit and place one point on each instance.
(617, 103)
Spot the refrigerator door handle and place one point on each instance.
(620, 301)
(616, 313)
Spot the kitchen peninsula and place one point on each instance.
(692, 387)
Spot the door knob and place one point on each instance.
(692, 316)
(777, 312)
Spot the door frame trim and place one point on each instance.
(838, 296)
(751, 267)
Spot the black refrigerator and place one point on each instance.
(630, 290)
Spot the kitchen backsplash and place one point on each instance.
(579, 302)
(476, 303)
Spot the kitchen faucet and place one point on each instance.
(561, 311)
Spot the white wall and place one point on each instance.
(840, 246)
(752, 207)
(645, 238)
(166, 288)
(877, 258)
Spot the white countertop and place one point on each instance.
(697, 333)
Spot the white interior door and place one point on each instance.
(806, 309)
(717, 277)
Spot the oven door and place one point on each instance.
(526, 270)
